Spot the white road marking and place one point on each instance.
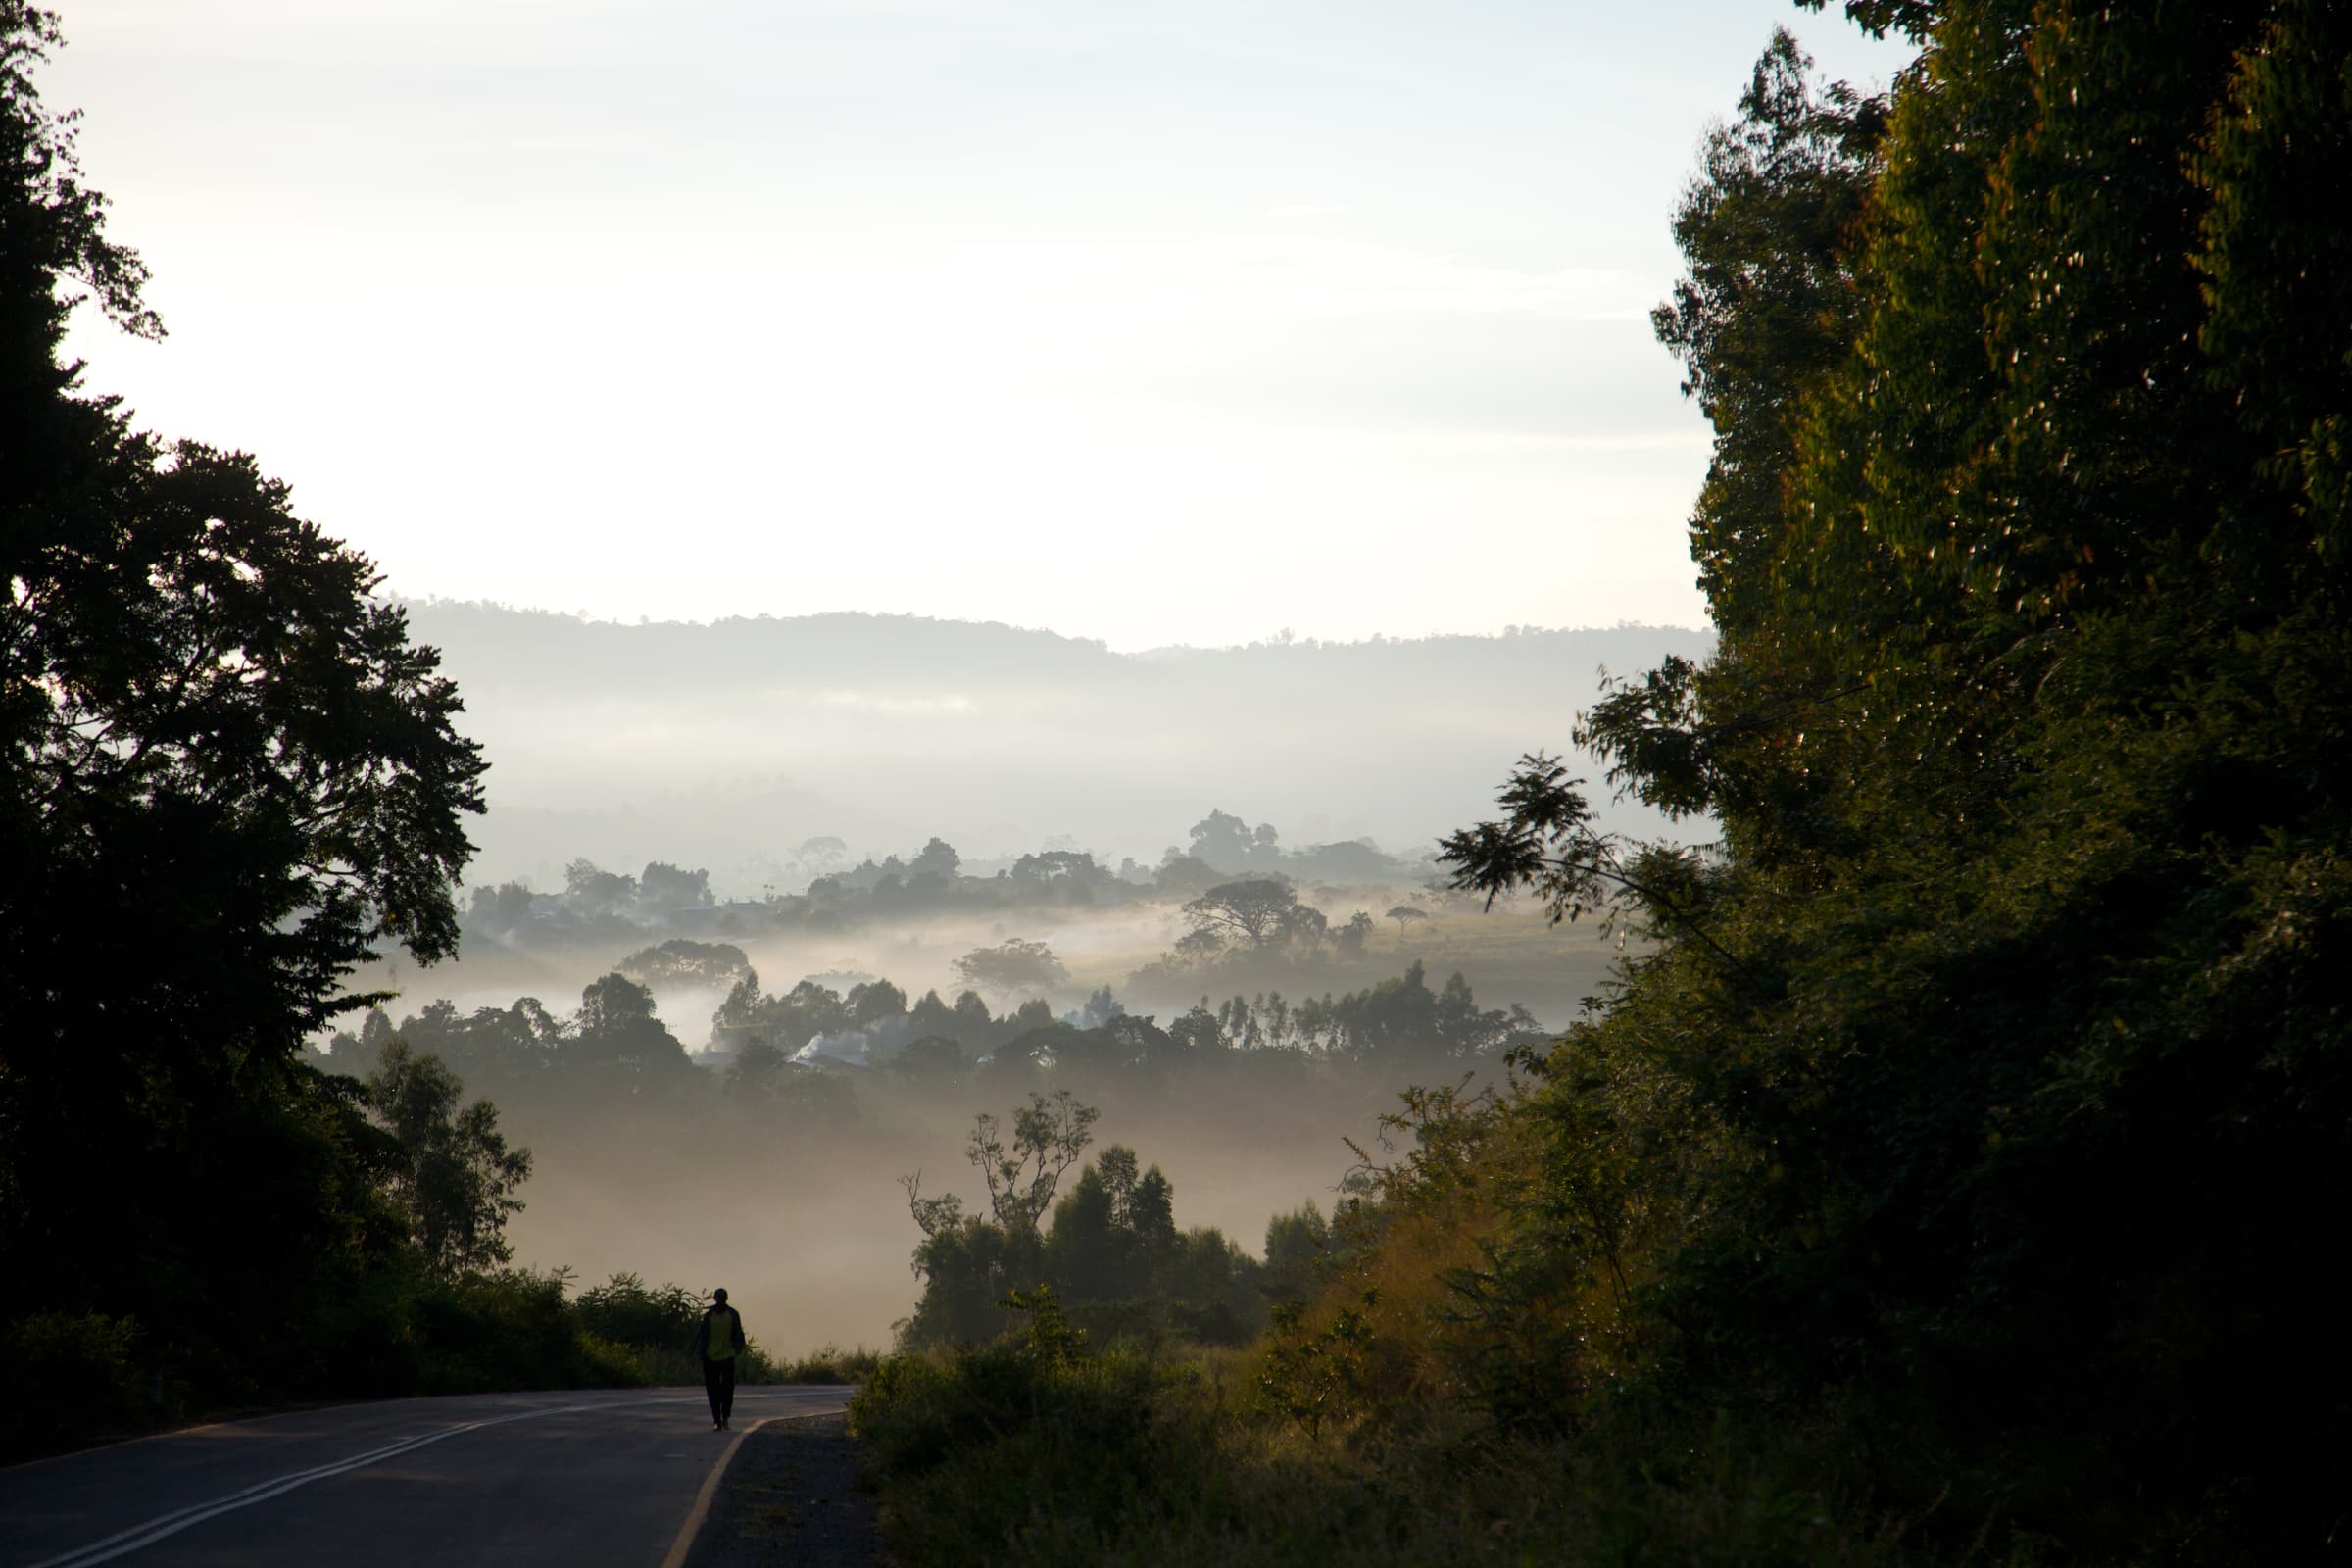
(137, 1537)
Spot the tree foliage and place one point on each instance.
(1011, 966)
(1113, 1252)
(456, 1178)
(227, 777)
(1261, 910)
(1977, 1066)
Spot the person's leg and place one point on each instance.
(713, 1373)
(726, 1391)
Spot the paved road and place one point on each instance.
(607, 1476)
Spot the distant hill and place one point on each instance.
(729, 743)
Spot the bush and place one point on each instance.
(627, 1311)
(71, 1376)
(1033, 1431)
(511, 1330)
(831, 1364)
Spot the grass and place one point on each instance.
(1018, 1457)
(663, 1367)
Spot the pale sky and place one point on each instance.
(1151, 323)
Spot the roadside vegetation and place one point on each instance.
(1934, 1181)
(227, 779)
(1939, 1187)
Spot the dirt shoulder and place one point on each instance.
(794, 1495)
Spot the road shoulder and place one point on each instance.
(793, 1495)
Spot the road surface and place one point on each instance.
(605, 1476)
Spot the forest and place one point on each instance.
(1939, 1185)
(1931, 1176)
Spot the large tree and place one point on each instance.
(227, 777)
(2000, 1052)
(1013, 964)
(1264, 909)
(455, 1177)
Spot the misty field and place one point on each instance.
(815, 1239)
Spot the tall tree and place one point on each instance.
(456, 1178)
(1264, 909)
(2016, 997)
(227, 777)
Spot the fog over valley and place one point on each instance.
(677, 968)
(726, 745)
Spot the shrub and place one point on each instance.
(627, 1311)
(1033, 1430)
(69, 1376)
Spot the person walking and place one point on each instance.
(718, 1340)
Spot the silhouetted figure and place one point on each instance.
(718, 1340)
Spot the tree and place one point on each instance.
(227, 777)
(874, 1002)
(1296, 1243)
(1072, 872)
(758, 1066)
(934, 1059)
(972, 1020)
(938, 859)
(1015, 964)
(682, 962)
(457, 1178)
(1404, 914)
(1100, 1010)
(1771, 300)
(594, 891)
(501, 911)
(1350, 937)
(1262, 909)
(823, 852)
(1048, 1136)
(1969, 1067)
(1222, 839)
(616, 1028)
(1115, 1233)
(930, 1015)
(663, 887)
(1199, 947)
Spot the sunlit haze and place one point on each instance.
(1143, 323)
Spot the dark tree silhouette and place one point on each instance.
(1014, 965)
(225, 778)
(1261, 909)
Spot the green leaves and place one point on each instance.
(1317, 1376)
(455, 1177)
(1993, 1057)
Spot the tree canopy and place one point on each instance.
(1993, 1055)
(227, 777)
(1013, 964)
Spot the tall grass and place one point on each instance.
(1027, 1452)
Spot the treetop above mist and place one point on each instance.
(601, 905)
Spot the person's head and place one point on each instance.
(719, 1295)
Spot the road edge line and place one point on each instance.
(139, 1536)
(700, 1514)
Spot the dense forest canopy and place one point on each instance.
(1989, 1071)
(1940, 1185)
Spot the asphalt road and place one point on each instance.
(607, 1476)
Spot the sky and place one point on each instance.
(1155, 324)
